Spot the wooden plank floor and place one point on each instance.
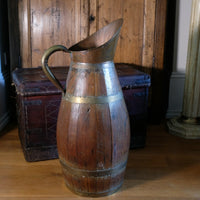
(168, 168)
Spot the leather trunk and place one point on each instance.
(38, 103)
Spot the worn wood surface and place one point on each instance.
(166, 169)
(159, 40)
(159, 73)
(56, 22)
(25, 33)
(14, 33)
(148, 33)
(45, 23)
(93, 131)
(142, 40)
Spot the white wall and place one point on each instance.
(183, 13)
(176, 89)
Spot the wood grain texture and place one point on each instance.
(25, 33)
(166, 169)
(148, 33)
(142, 39)
(46, 23)
(14, 33)
(57, 22)
(159, 98)
(129, 49)
(133, 32)
(93, 132)
(107, 13)
(93, 13)
(159, 39)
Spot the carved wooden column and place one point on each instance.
(188, 126)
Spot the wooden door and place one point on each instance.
(136, 41)
(46, 23)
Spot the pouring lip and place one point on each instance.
(119, 21)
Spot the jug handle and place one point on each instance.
(45, 66)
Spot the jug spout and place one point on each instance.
(98, 47)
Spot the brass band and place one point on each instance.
(93, 99)
(93, 173)
(92, 66)
(94, 194)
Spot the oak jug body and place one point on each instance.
(93, 133)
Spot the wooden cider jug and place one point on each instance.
(93, 125)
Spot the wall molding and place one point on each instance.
(4, 119)
(176, 92)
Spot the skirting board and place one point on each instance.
(176, 91)
(4, 120)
